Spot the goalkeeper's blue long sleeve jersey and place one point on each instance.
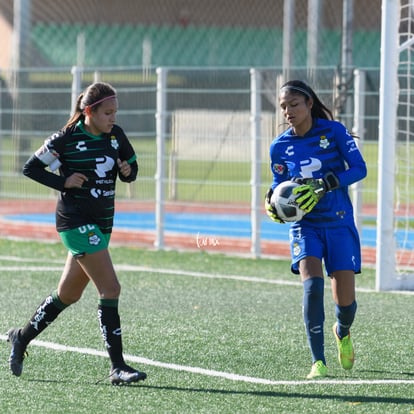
(326, 147)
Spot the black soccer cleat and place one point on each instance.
(18, 352)
(125, 375)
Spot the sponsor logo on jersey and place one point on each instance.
(309, 166)
(103, 165)
(278, 169)
(97, 192)
(352, 145)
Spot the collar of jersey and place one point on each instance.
(308, 133)
(81, 126)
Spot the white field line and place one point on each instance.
(33, 259)
(195, 370)
(145, 269)
(211, 372)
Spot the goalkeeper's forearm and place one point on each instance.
(331, 181)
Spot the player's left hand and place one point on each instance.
(270, 209)
(124, 168)
(312, 190)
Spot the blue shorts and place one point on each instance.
(338, 247)
(85, 239)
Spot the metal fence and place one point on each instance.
(201, 135)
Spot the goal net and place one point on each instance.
(395, 238)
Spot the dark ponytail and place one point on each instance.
(93, 96)
(77, 114)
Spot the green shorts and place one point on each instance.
(85, 239)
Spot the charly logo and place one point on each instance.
(81, 146)
(290, 151)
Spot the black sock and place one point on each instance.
(110, 325)
(45, 314)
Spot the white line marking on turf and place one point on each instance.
(196, 370)
(32, 268)
(132, 268)
(145, 269)
(26, 259)
(211, 372)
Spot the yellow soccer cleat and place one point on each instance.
(346, 355)
(319, 370)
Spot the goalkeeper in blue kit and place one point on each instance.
(320, 154)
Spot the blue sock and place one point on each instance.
(314, 316)
(345, 316)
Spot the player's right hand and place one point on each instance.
(75, 180)
(270, 210)
(309, 193)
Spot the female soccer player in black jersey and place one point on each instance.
(90, 152)
(320, 154)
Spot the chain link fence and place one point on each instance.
(209, 49)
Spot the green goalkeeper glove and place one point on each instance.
(270, 210)
(312, 190)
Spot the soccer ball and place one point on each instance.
(285, 202)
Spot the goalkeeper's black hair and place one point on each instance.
(319, 109)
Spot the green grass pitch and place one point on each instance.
(215, 334)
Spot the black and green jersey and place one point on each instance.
(75, 150)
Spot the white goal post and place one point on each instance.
(395, 252)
